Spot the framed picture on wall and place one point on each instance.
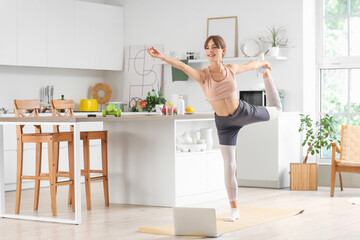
(226, 27)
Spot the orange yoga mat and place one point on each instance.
(249, 216)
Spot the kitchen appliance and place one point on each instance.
(48, 94)
(254, 97)
(88, 105)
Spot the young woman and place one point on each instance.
(218, 82)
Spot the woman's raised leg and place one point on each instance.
(272, 96)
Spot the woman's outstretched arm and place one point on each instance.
(195, 74)
(253, 65)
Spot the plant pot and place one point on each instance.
(273, 52)
(303, 176)
(158, 108)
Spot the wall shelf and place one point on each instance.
(230, 60)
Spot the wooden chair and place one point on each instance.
(32, 106)
(68, 106)
(349, 154)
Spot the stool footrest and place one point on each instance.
(97, 178)
(35, 177)
(58, 174)
(64, 182)
(62, 174)
(91, 171)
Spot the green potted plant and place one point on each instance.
(303, 176)
(275, 38)
(154, 98)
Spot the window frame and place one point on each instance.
(330, 62)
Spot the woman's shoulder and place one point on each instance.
(232, 68)
(204, 72)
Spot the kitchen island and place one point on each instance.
(144, 166)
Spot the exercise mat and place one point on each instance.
(249, 216)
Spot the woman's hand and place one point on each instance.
(154, 53)
(260, 64)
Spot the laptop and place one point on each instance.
(195, 221)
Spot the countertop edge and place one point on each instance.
(109, 118)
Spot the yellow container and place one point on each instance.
(88, 105)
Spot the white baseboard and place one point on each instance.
(259, 183)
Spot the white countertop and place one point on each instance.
(82, 117)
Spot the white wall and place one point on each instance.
(26, 82)
(181, 26)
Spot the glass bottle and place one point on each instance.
(62, 98)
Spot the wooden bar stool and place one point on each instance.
(52, 139)
(68, 106)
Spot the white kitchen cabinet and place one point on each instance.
(31, 26)
(60, 33)
(199, 177)
(147, 170)
(87, 37)
(98, 36)
(191, 174)
(10, 157)
(8, 39)
(265, 151)
(111, 37)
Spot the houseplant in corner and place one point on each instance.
(275, 38)
(154, 98)
(303, 176)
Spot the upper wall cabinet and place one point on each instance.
(98, 36)
(111, 37)
(8, 39)
(31, 25)
(60, 33)
(87, 25)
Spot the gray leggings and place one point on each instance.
(229, 126)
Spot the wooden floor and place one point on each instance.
(324, 217)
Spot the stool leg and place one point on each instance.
(56, 161)
(37, 173)
(72, 173)
(105, 169)
(87, 171)
(52, 176)
(20, 155)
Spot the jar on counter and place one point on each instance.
(189, 55)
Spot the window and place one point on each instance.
(339, 63)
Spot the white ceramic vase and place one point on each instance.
(158, 108)
(206, 134)
(273, 52)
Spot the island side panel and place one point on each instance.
(141, 162)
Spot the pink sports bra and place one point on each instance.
(216, 90)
